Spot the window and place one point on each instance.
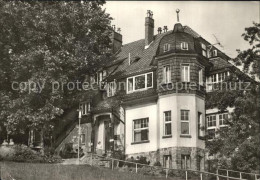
(101, 75)
(166, 47)
(166, 74)
(211, 133)
(167, 123)
(214, 53)
(184, 46)
(185, 124)
(185, 161)
(211, 120)
(111, 89)
(82, 138)
(204, 49)
(185, 73)
(222, 76)
(200, 125)
(141, 130)
(201, 76)
(222, 119)
(214, 78)
(140, 82)
(84, 107)
(167, 161)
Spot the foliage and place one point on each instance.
(47, 42)
(157, 163)
(239, 143)
(21, 153)
(250, 57)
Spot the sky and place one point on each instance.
(225, 19)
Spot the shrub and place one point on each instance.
(157, 163)
(22, 153)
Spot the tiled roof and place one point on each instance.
(219, 63)
(107, 104)
(136, 49)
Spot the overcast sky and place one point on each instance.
(226, 20)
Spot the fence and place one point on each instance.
(232, 173)
(170, 172)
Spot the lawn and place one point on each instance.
(33, 171)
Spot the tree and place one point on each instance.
(240, 143)
(46, 48)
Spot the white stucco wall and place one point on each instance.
(138, 112)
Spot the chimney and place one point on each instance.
(116, 39)
(149, 28)
(165, 29)
(159, 30)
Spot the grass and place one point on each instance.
(33, 171)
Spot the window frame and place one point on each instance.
(143, 89)
(84, 107)
(223, 119)
(83, 135)
(166, 47)
(183, 75)
(201, 133)
(214, 53)
(211, 121)
(187, 161)
(204, 50)
(140, 129)
(201, 70)
(166, 74)
(167, 122)
(185, 121)
(184, 46)
(111, 89)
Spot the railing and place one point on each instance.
(239, 173)
(184, 172)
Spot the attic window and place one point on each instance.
(184, 46)
(214, 53)
(166, 47)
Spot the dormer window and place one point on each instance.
(140, 82)
(214, 53)
(184, 46)
(204, 49)
(166, 47)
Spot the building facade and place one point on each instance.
(152, 100)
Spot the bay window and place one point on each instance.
(140, 82)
